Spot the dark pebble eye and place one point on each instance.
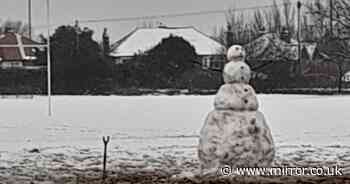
(226, 156)
(245, 90)
(245, 101)
(242, 67)
(242, 78)
(253, 121)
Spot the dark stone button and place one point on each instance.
(253, 121)
(35, 150)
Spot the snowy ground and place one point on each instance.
(157, 133)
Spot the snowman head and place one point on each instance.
(236, 53)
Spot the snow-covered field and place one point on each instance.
(157, 132)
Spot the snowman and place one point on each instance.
(235, 133)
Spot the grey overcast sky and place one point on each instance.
(66, 11)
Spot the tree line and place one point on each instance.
(80, 66)
(326, 23)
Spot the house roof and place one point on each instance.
(271, 47)
(143, 39)
(331, 45)
(16, 50)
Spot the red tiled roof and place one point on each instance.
(8, 38)
(18, 53)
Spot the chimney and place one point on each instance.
(285, 35)
(262, 31)
(77, 27)
(9, 29)
(105, 42)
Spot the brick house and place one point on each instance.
(14, 53)
(272, 48)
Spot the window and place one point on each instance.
(122, 60)
(119, 61)
(346, 77)
(216, 65)
(11, 64)
(206, 62)
(217, 62)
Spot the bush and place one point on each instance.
(170, 64)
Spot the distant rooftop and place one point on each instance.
(270, 46)
(16, 51)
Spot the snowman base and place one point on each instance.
(239, 139)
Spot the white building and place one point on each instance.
(346, 77)
(141, 40)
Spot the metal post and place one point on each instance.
(331, 17)
(77, 32)
(105, 142)
(48, 58)
(298, 67)
(30, 18)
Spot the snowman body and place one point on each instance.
(236, 72)
(235, 133)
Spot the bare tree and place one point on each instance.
(289, 16)
(245, 29)
(341, 8)
(276, 18)
(258, 22)
(219, 34)
(337, 51)
(335, 44)
(236, 25)
(15, 26)
(320, 12)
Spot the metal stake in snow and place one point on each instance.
(105, 142)
(48, 57)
